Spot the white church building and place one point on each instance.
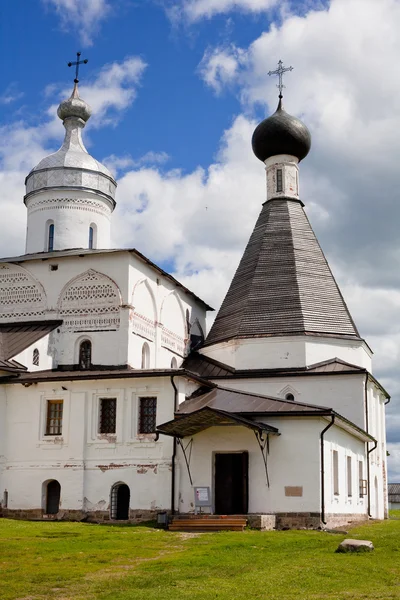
(116, 405)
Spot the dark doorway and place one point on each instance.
(231, 483)
(120, 497)
(53, 498)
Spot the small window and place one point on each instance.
(91, 235)
(50, 242)
(335, 469)
(54, 417)
(362, 483)
(174, 363)
(147, 415)
(279, 180)
(349, 477)
(85, 355)
(289, 397)
(145, 356)
(108, 415)
(35, 357)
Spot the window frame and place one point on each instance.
(85, 367)
(335, 473)
(35, 357)
(142, 417)
(50, 237)
(49, 417)
(100, 427)
(279, 180)
(349, 475)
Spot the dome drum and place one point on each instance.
(69, 177)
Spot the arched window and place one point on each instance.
(53, 492)
(91, 235)
(145, 356)
(35, 357)
(85, 354)
(289, 397)
(50, 238)
(119, 505)
(174, 363)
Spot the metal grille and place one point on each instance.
(147, 415)
(35, 360)
(85, 355)
(54, 417)
(108, 415)
(279, 186)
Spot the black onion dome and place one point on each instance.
(281, 134)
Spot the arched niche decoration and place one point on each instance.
(90, 301)
(144, 316)
(173, 335)
(22, 297)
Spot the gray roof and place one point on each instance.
(283, 285)
(199, 420)
(212, 369)
(15, 337)
(245, 402)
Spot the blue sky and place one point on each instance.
(177, 87)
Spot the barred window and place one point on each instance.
(279, 182)
(35, 358)
(147, 415)
(108, 415)
(54, 417)
(85, 355)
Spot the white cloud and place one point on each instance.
(219, 66)
(120, 164)
(83, 16)
(10, 94)
(194, 10)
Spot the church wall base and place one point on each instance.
(98, 516)
(310, 520)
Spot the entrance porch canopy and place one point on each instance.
(199, 420)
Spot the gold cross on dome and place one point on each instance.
(76, 64)
(280, 71)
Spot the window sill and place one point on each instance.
(51, 441)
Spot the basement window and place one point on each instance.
(108, 415)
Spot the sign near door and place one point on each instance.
(202, 498)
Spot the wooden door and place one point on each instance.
(53, 498)
(231, 483)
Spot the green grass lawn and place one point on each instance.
(76, 561)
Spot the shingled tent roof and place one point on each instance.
(283, 285)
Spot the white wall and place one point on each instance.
(293, 461)
(288, 352)
(343, 393)
(85, 462)
(72, 216)
(117, 333)
(346, 446)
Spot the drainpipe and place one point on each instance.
(369, 485)
(323, 469)
(174, 451)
